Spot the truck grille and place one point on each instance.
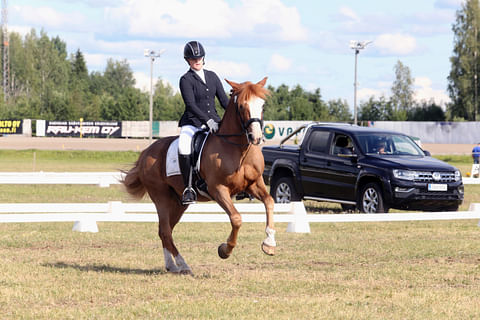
(427, 176)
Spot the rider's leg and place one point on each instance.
(185, 161)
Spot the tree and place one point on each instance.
(463, 78)
(376, 110)
(426, 111)
(402, 90)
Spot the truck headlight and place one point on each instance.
(404, 174)
(458, 175)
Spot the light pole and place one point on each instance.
(152, 54)
(357, 46)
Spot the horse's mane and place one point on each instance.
(248, 89)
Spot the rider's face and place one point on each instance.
(196, 64)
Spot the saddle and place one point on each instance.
(198, 183)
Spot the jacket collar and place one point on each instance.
(196, 76)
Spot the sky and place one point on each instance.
(292, 42)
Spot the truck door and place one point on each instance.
(313, 162)
(341, 168)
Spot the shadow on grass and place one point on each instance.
(104, 268)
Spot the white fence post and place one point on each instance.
(116, 207)
(300, 222)
(475, 207)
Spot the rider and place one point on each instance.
(198, 87)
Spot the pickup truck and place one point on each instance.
(362, 168)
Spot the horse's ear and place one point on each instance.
(263, 81)
(234, 85)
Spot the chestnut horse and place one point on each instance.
(231, 163)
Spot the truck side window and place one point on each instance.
(343, 145)
(319, 141)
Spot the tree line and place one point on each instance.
(45, 82)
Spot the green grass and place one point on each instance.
(58, 161)
(418, 270)
(461, 162)
(398, 270)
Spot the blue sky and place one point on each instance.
(290, 41)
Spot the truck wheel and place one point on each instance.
(371, 199)
(284, 191)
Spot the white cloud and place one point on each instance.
(425, 92)
(364, 94)
(227, 69)
(348, 14)
(279, 63)
(396, 44)
(96, 61)
(190, 19)
(47, 17)
(142, 82)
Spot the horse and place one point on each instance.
(231, 163)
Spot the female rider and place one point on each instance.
(198, 87)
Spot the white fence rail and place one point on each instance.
(102, 179)
(86, 215)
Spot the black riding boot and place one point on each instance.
(189, 196)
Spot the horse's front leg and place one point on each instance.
(259, 191)
(222, 196)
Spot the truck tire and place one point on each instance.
(371, 199)
(283, 191)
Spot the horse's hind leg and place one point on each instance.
(259, 191)
(169, 212)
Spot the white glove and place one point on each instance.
(212, 125)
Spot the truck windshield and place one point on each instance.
(389, 144)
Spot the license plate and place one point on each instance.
(437, 187)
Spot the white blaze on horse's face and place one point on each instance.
(256, 112)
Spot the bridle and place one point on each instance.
(244, 125)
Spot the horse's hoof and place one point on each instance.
(187, 272)
(222, 251)
(268, 249)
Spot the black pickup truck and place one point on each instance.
(361, 168)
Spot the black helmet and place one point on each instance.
(193, 50)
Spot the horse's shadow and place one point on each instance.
(104, 268)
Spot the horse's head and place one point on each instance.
(249, 99)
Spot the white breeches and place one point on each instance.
(185, 140)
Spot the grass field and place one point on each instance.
(398, 270)
(418, 270)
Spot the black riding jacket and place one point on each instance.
(199, 98)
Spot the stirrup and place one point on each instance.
(189, 196)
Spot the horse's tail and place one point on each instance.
(132, 182)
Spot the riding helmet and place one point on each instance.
(193, 50)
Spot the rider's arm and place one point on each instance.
(220, 92)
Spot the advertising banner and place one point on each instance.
(11, 127)
(98, 129)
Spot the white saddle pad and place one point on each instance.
(172, 167)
